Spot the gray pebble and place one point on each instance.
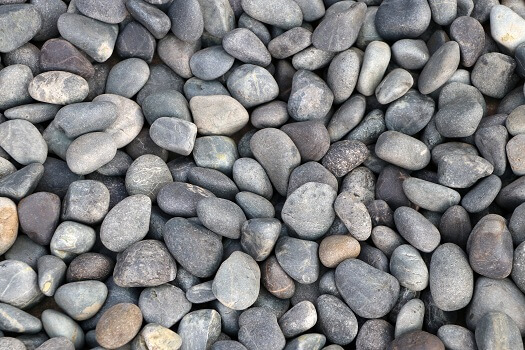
(33, 112)
(369, 129)
(347, 117)
(176, 54)
(242, 80)
(146, 263)
(58, 87)
(255, 206)
(19, 23)
(180, 199)
(9, 343)
(494, 74)
(410, 114)
(343, 73)
(298, 258)
(27, 251)
(22, 141)
(89, 152)
(498, 330)
(215, 152)
(300, 318)
(410, 317)
(199, 329)
(146, 175)
(344, 156)
(506, 26)
(156, 21)
(255, 26)
(258, 328)
(249, 175)
(409, 268)
(187, 22)
(374, 335)
(470, 36)
(15, 80)
(22, 182)
(355, 280)
(174, 134)
(221, 216)
(51, 274)
(113, 12)
(80, 118)
(21, 286)
(336, 319)
(439, 68)
(491, 142)
(227, 345)
(161, 77)
(517, 225)
(482, 194)
(196, 249)
(402, 150)
(410, 53)
(166, 103)
(218, 16)
(95, 38)
(399, 20)
(456, 337)
(312, 58)
(393, 86)
(213, 180)
(462, 171)
(311, 172)
(56, 324)
(18, 321)
(283, 14)
(56, 139)
(82, 238)
(81, 300)
(197, 87)
(290, 42)
(354, 215)
(164, 304)
(200, 293)
(416, 229)
(27, 54)
(375, 62)
(218, 115)
(448, 125)
(135, 41)
(127, 77)
(308, 211)
(237, 40)
(86, 201)
(58, 343)
(311, 138)
(258, 237)
(210, 63)
(429, 195)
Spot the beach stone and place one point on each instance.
(89, 266)
(51, 274)
(237, 40)
(38, 215)
(455, 226)
(86, 201)
(15, 80)
(310, 98)
(241, 81)
(57, 343)
(199, 329)
(507, 27)
(515, 121)
(159, 337)
(59, 54)
(127, 77)
(81, 300)
(417, 191)
(118, 325)
(72, 238)
(27, 251)
(9, 343)
(19, 23)
(218, 16)
(147, 175)
(489, 247)
(32, 112)
(258, 327)
(386, 239)
(227, 345)
(462, 170)
(498, 330)
(337, 321)
(369, 129)
(290, 42)
(410, 53)
(443, 13)
(196, 249)
(21, 286)
(338, 31)
(80, 118)
(166, 103)
(298, 258)
(374, 334)
(402, 19)
(215, 152)
(353, 277)
(344, 156)
(407, 265)
(347, 117)
(416, 229)
(255, 26)
(275, 279)
(174, 134)
(126, 223)
(90, 151)
(258, 237)
(410, 317)
(210, 63)
(113, 12)
(514, 149)
(337, 248)
(343, 73)
(310, 137)
(218, 115)
(283, 14)
(146, 263)
(494, 74)
(300, 318)
(439, 68)
(242, 269)
(200, 293)
(269, 115)
(155, 21)
(448, 125)
(18, 321)
(136, 41)
(417, 340)
(402, 150)
(409, 114)
(58, 87)
(249, 175)
(470, 36)
(221, 216)
(57, 324)
(180, 199)
(27, 55)
(22, 182)
(95, 38)
(213, 180)
(354, 215)
(164, 305)
(517, 225)
(8, 224)
(277, 154)
(456, 337)
(375, 62)
(161, 77)
(451, 278)
(254, 206)
(187, 21)
(309, 210)
(393, 86)
(176, 54)
(22, 141)
(482, 195)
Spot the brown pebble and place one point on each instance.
(118, 325)
(8, 224)
(38, 215)
(418, 340)
(275, 280)
(59, 54)
(334, 249)
(89, 266)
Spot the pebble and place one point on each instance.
(58, 87)
(270, 115)
(210, 63)
(58, 54)
(498, 330)
(57, 343)
(89, 152)
(22, 182)
(298, 258)
(416, 229)
(70, 239)
(343, 73)
(439, 68)
(156, 21)
(38, 215)
(282, 14)
(482, 194)
(417, 340)
(409, 114)
(258, 237)
(136, 41)
(227, 345)
(258, 328)
(18, 276)
(309, 210)
(337, 321)
(400, 20)
(374, 334)
(195, 248)
(337, 248)
(507, 27)
(418, 192)
(174, 134)
(56, 324)
(402, 150)
(118, 325)
(470, 36)
(81, 300)
(127, 77)
(241, 84)
(517, 266)
(489, 247)
(146, 176)
(95, 38)
(81, 118)
(456, 337)
(51, 274)
(218, 115)
(462, 171)
(407, 265)
(200, 293)
(33, 112)
(215, 152)
(275, 279)
(354, 215)
(410, 53)
(187, 22)
(494, 74)
(146, 263)
(290, 42)
(18, 24)
(199, 329)
(15, 79)
(164, 305)
(8, 224)
(157, 336)
(516, 225)
(375, 62)
(393, 86)
(310, 137)
(86, 201)
(22, 141)
(18, 321)
(344, 156)
(300, 318)
(9, 343)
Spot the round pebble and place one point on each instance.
(118, 325)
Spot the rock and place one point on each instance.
(161, 78)
(470, 36)
(38, 215)
(33, 112)
(86, 201)
(227, 345)
(298, 258)
(398, 20)
(375, 62)
(258, 237)
(448, 125)
(15, 79)
(205, 255)
(81, 300)
(215, 152)
(283, 14)
(494, 75)
(200, 293)
(374, 334)
(18, 24)
(516, 225)
(58, 87)
(410, 53)
(393, 86)
(409, 268)
(81, 118)
(8, 224)
(156, 21)
(72, 238)
(56, 324)
(462, 171)
(237, 40)
(95, 38)
(410, 317)
(300, 318)
(127, 77)
(118, 325)
(308, 210)
(443, 13)
(456, 337)
(290, 42)
(20, 281)
(410, 114)
(176, 54)
(180, 199)
(9, 343)
(136, 41)
(417, 191)
(507, 27)
(344, 156)
(498, 330)
(59, 54)
(258, 327)
(275, 279)
(18, 321)
(218, 115)
(402, 150)
(89, 152)
(114, 12)
(90, 266)
(164, 305)
(157, 336)
(57, 343)
(489, 247)
(416, 229)
(354, 279)
(22, 141)
(417, 340)
(51, 274)
(199, 329)
(22, 182)
(145, 263)
(337, 321)
(241, 81)
(338, 31)
(343, 73)
(337, 248)
(174, 134)
(310, 98)
(439, 68)
(310, 137)
(482, 195)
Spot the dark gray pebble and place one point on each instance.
(164, 304)
(298, 258)
(416, 229)
(258, 327)
(156, 21)
(399, 20)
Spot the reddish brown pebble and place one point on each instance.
(118, 325)
(334, 249)
(89, 266)
(38, 215)
(418, 340)
(59, 54)
(275, 280)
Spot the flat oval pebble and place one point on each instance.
(284, 14)
(439, 68)
(22, 141)
(418, 192)
(127, 77)
(18, 321)
(407, 265)
(80, 118)
(58, 88)
(221, 216)
(416, 229)
(17, 276)
(399, 20)
(113, 12)
(174, 134)
(58, 54)
(90, 152)
(18, 24)
(118, 325)
(218, 115)
(402, 150)
(15, 80)
(243, 79)
(81, 300)
(298, 258)
(56, 324)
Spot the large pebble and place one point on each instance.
(218, 115)
(494, 74)
(236, 41)
(186, 18)
(402, 19)
(470, 36)
(439, 68)
(336, 319)
(298, 258)
(72, 238)
(402, 150)
(38, 215)
(221, 216)
(375, 62)
(156, 21)
(259, 235)
(59, 54)
(81, 300)
(15, 80)
(310, 98)
(56, 324)
(18, 24)
(417, 340)
(86, 201)
(21, 286)
(311, 138)
(51, 273)
(118, 325)
(457, 337)
(199, 329)
(258, 328)
(344, 156)
(22, 182)
(22, 141)
(89, 152)
(18, 321)
(215, 152)
(496, 330)
(462, 170)
(507, 27)
(283, 14)
(343, 73)
(58, 87)
(416, 229)
(8, 224)
(252, 85)
(174, 134)
(354, 215)
(409, 268)
(429, 195)
(164, 305)
(210, 63)
(80, 118)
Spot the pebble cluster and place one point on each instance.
(262, 174)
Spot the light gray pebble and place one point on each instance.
(375, 62)
(199, 329)
(89, 152)
(81, 300)
(146, 175)
(210, 63)
(71, 239)
(200, 293)
(439, 68)
(174, 134)
(259, 235)
(393, 86)
(22, 182)
(407, 265)
(410, 114)
(429, 195)
(164, 304)
(410, 317)
(221, 216)
(86, 201)
(254, 205)
(290, 42)
(127, 77)
(18, 321)
(80, 118)
(51, 274)
(482, 194)
(241, 81)
(19, 23)
(21, 286)
(462, 171)
(354, 215)
(215, 152)
(410, 53)
(15, 80)
(22, 141)
(343, 73)
(236, 41)
(176, 54)
(416, 229)
(57, 324)
(457, 337)
(402, 150)
(498, 330)
(283, 14)
(494, 74)
(218, 115)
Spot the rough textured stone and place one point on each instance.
(118, 325)
(18, 24)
